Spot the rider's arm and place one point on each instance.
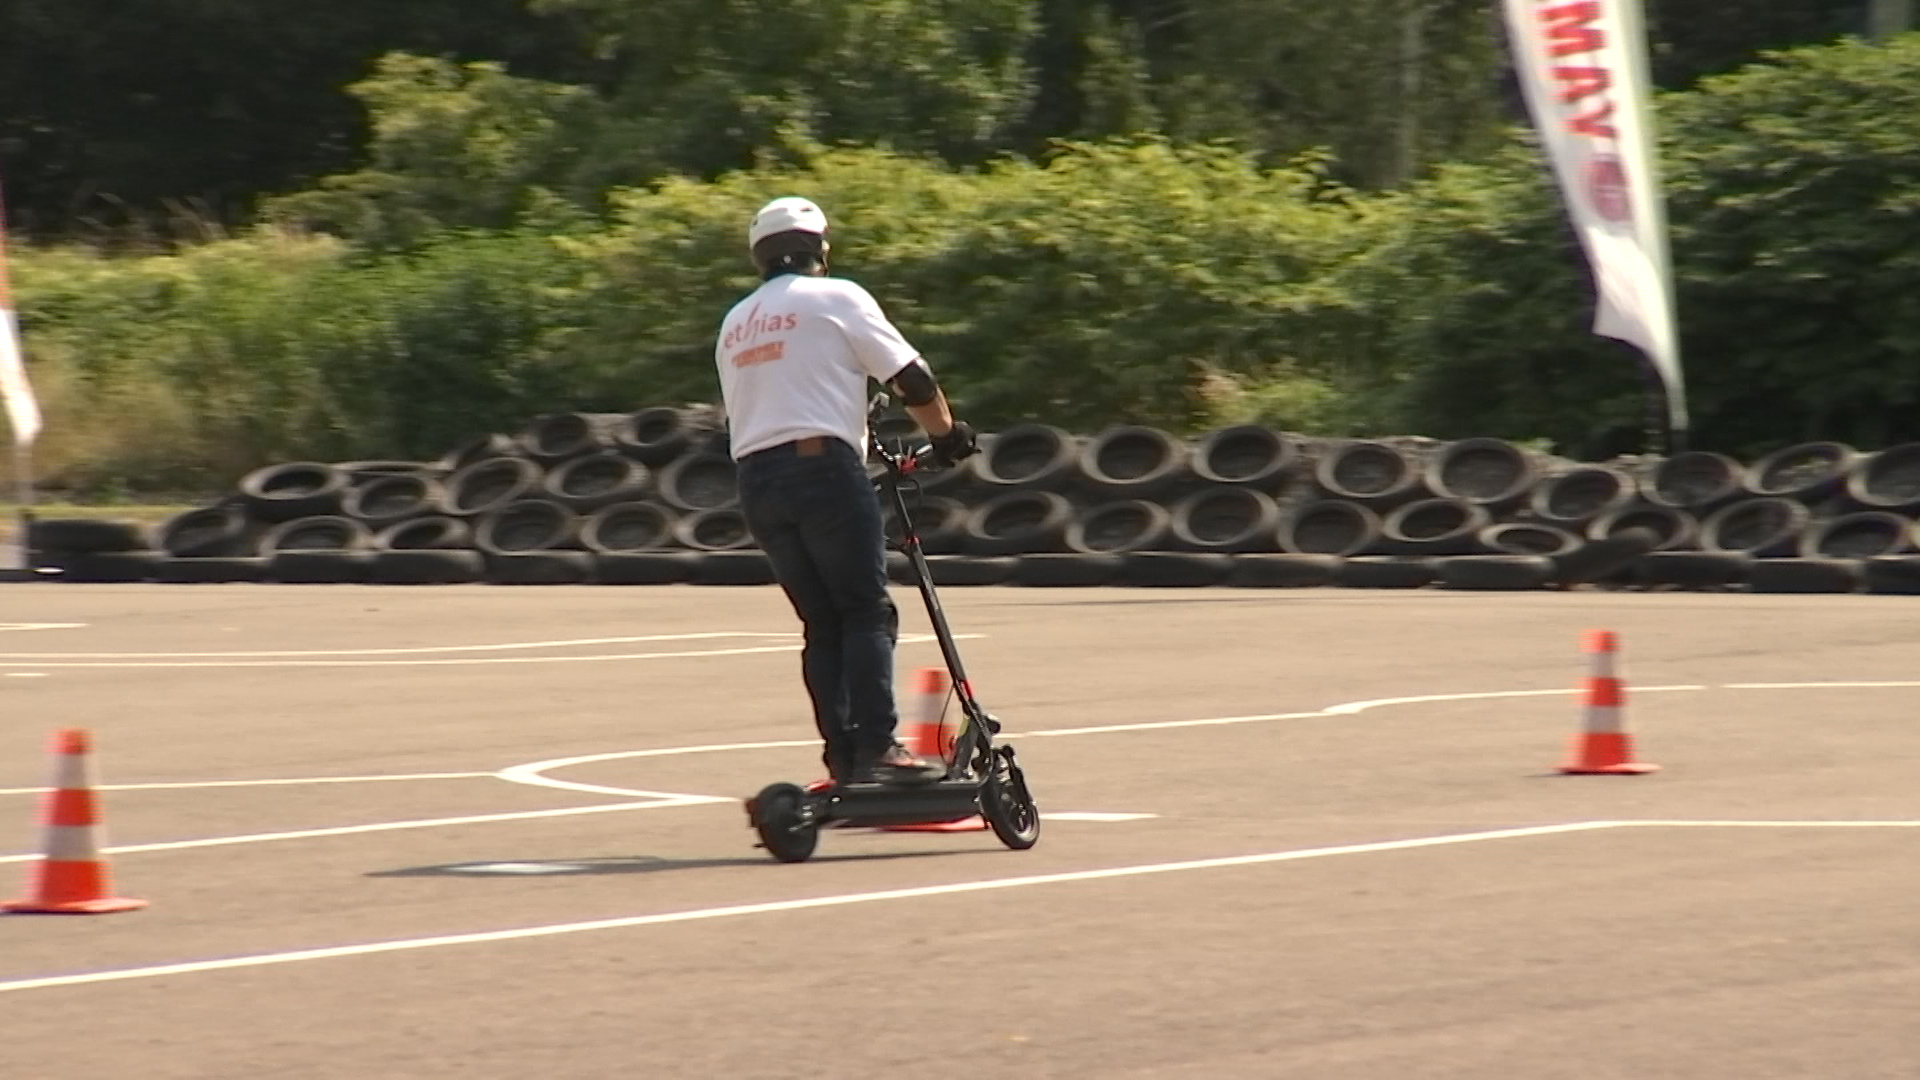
(925, 401)
(927, 404)
(886, 356)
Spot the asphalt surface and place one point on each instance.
(370, 851)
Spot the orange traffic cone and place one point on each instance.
(929, 736)
(72, 878)
(1603, 747)
(932, 737)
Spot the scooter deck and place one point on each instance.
(898, 804)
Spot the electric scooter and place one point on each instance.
(982, 776)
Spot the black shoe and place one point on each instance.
(898, 765)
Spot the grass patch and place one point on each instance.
(141, 512)
(149, 516)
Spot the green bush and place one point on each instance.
(113, 345)
(1111, 283)
(176, 372)
(1796, 206)
(1471, 315)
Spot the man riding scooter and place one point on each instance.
(794, 358)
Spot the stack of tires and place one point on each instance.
(649, 498)
(1817, 517)
(575, 498)
(1130, 505)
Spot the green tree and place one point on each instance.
(1795, 197)
(1692, 41)
(133, 112)
(173, 114)
(1390, 86)
(453, 147)
(1091, 77)
(706, 86)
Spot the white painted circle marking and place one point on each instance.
(533, 773)
(522, 868)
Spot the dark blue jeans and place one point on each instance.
(818, 520)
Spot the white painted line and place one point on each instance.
(1347, 708)
(844, 899)
(42, 625)
(26, 674)
(1091, 815)
(397, 652)
(1161, 725)
(283, 782)
(1819, 685)
(737, 910)
(905, 639)
(663, 802)
(519, 868)
(1351, 707)
(1820, 824)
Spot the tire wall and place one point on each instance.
(648, 498)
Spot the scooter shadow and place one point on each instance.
(632, 864)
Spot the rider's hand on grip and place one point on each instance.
(958, 444)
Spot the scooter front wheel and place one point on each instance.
(787, 833)
(1007, 804)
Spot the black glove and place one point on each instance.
(955, 446)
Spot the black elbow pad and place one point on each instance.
(915, 385)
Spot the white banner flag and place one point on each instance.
(1583, 67)
(23, 412)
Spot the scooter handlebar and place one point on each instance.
(920, 460)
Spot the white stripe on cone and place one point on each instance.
(72, 843)
(933, 696)
(1603, 719)
(70, 772)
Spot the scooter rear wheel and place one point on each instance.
(1007, 804)
(784, 831)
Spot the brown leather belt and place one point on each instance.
(806, 446)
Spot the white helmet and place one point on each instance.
(789, 214)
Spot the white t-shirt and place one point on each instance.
(794, 358)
